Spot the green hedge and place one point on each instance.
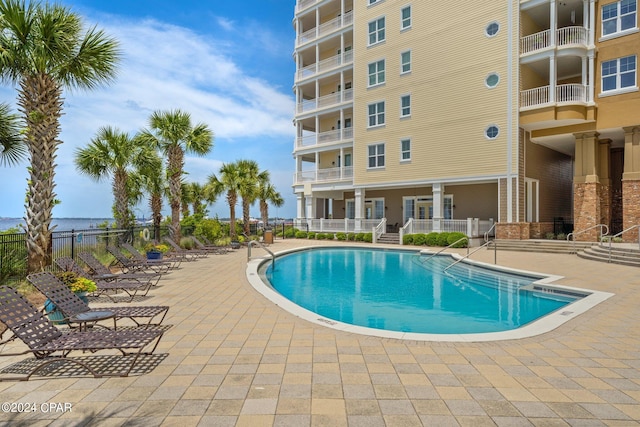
(435, 239)
(301, 234)
(341, 236)
(311, 235)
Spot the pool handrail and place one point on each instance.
(466, 256)
(250, 244)
(447, 247)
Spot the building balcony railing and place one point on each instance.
(320, 176)
(325, 65)
(564, 94)
(303, 4)
(565, 36)
(337, 225)
(325, 101)
(330, 137)
(326, 28)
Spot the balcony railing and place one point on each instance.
(303, 4)
(564, 37)
(332, 136)
(325, 101)
(337, 225)
(325, 65)
(326, 28)
(324, 175)
(567, 94)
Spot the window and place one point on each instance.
(405, 105)
(405, 62)
(405, 18)
(618, 16)
(351, 209)
(619, 73)
(376, 73)
(492, 29)
(492, 132)
(492, 80)
(376, 156)
(376, 31)
(373, 2)
(405, 150)
(376, 114)
(447, 207)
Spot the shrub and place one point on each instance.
(419, 239)
(407, 239)
(455, 236)
(351, 237)
(432, 239)
(561, 236)
(549, 236)
(359, 237)
(290, 233)
(367, 237)
(442, 238)
(341, 236)
(301, 234)
(321, 236)
(311, 235)
(187, 243)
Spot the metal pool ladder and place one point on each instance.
(250, 245)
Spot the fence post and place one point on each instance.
(73, 244)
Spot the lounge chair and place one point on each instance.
(165, 264)
(218, 250)
(191, 253)
(105, 287)
(130, 265)
(76, 311)
(51, 346)
(100, 273)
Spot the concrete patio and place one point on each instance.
(234, 358)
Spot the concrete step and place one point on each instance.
(390, 238)
(619, 255)
(543, 246)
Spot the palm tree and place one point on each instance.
(45, 50)
(267, 193)
(200, 198)
(12, 146)
(153, 182)
(248, 190)
(113, 154)
(228, 180)
(186, 198)
(173, 133)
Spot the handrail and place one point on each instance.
(601, 226)
(610, 238)
(466, 256)
(379, 229)
(250, 244)
(444, 249)
(486, 235)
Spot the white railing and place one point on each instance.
(379, 230)
(471, 227)
(325, 65)
(572, 35)
(324, 175)
(569, 93)
(325, 137)
(303, 4)
(338, 225)
(325, 28)
(535, 41)
(325, 101)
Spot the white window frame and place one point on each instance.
(402, 63)
(378, 74)
(350, 208)
(486, 29)
(378, 156)
(403, 151)
(618, 18)
(376, 114)
(618, 76)
(486, 130)
(404, 114)
(377, 31)
(372, 2)
(403, 25)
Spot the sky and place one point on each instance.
(226, 63)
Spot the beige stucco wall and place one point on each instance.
(451, 106)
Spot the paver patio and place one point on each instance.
(234, 358)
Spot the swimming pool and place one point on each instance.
(397, 293)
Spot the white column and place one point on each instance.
(317, 161)
(592, 22)
(438, 205)
(553, 23)
(300, 206)
(359, 202)
(310, 204)
(341, 162)
(591, 78)
(552, 79)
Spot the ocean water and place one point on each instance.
(62, 224)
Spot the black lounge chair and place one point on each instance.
(130, 265)
(101, 274)
(214, 249)
(51, 346)
(108, 287)
(164, 264)
(76, 311)
(192, 254)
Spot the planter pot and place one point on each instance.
(235, 245)
(154, 255)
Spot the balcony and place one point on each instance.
(328, 64)
(565, 37)
(326, 101)
(321, 176)
(333, 136)
(326, 28)
(564, 94)
(304, 4)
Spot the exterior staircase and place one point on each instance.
(620, 254)
(543, 246)
(390, 238)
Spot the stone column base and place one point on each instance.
(512, 230)
(586, 210)
(630, 209)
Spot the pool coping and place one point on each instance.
(543, 325)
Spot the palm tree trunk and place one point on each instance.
(122, 214)
(155, 204)
(174, 171)
(246, 218)
(232, 199)
(264, 210)
(40, 100)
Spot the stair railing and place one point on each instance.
(610, 238)
(466, 256)
(450, 246)
(486, 235)
(574, 234)
(495, 245)
(256, 242)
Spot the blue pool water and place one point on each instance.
(398, 290)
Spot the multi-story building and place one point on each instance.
(524, 113)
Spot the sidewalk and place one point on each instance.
(234, 358)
